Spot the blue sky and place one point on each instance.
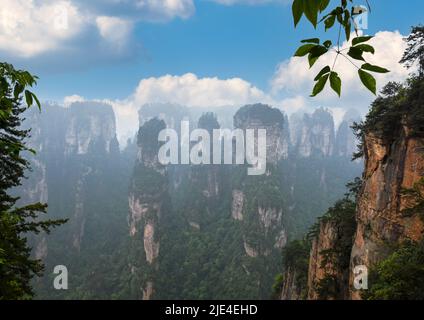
(243, 41)
(108, 49)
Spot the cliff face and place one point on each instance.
(328, 271)
(379, 221)
(77, 162)
(263, 214)
(147, 199)
(390, 168)
(319, 267)
(261, 116)
(74, 145)
(291, 290)
(313, 134)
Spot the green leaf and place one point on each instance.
(314, 40)
(368, 80)
(336, 83)
(356, 53)
(297, 10)
(312, 60)
(28, 98)
(323, 5)
(319, 86)
(18, 90)
(366, 48)
(327, 44)
(374, 68)
(329, 22)
(304, 50)
(36, 101)
(322, 72)
(310, 8)
(315, 53)
(358, 40)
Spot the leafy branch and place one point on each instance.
(343, 16)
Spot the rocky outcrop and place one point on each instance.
(89, 123)
(313, 134)
(237, 205)
(171, 114)
(147, 197)
(346, 142)
(275, 123)
(250, 250)
(291, 290)
(257, 202)
(380, 222)
(390, 167)
(324, 264)
(73, 146)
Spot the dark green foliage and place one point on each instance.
(328, 288)
(296, 259)
(278, 285)
(398, 105)
(208, 121)
(400, 276)
(342, 218)
(266, 114)
(416, 195)
(296, 254)
(17, 267)
(148, 135)
(415, 50)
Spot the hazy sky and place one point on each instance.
(200, 53)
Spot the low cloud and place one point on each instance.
(187, 90)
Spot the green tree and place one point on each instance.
(415, 51)
(400, 276)
(17, 267)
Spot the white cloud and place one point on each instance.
(293, 78)
(31, 28)
(249, 2)
(115, 31)
(187, 90)
(193, 91)
(28, 28)
(166, 9)
(67, 101)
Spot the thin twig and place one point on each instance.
(349, 61)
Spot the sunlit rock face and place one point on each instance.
(389, 169)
